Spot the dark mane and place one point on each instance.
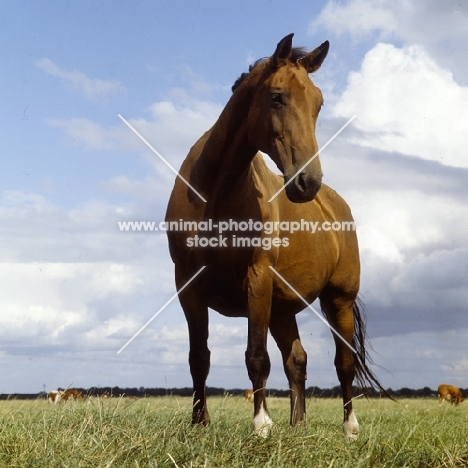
(297, 54)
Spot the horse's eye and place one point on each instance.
(276, 98)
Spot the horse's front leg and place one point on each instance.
(196, 314)
(259, 289)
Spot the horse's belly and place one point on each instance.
(228, 305)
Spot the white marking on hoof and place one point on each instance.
(351, 426)
(262, 423)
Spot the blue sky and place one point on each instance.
(76, 289)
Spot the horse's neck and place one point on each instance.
(227, 152)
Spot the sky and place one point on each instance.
(75, 289)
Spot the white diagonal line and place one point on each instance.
(314, 311)
(312, 158)
(161, 309)
(159, 156)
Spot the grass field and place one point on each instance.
(155, 432)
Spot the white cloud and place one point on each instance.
(423, 358)
(405, 103)
(413, 250)
(93, 136)
(71, 277)
(362, 17)
(35, 230)
(440, 27)
(407, 197)
(411, 219)
(419, 21)
(90, 88)
(391, 223)
(457, 371)
(171, 129)
(174, 128)
(53, 298)
(149, 189)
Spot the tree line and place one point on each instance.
(314, 392)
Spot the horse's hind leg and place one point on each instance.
(196, 314)
(342, 320)
(283, 328)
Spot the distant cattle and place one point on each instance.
(72, 394)
(249, 395)
(56, 396)
(449, 393)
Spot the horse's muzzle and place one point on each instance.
(303, 187)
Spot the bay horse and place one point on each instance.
(273, 109)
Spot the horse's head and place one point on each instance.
(282, 117)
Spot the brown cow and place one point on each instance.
(56, 396)
(449, 393)
(249, 395)
(72, 394)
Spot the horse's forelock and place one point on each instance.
(298, 53)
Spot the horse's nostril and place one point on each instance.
(302, 182)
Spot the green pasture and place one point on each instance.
(155, 432)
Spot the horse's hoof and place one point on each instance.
(262, 424)
(351, 430)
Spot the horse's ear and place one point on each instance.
(313, 60)
(283, 49)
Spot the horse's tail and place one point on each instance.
(364, 375)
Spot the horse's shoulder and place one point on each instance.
(329, 193)
(332, 200)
